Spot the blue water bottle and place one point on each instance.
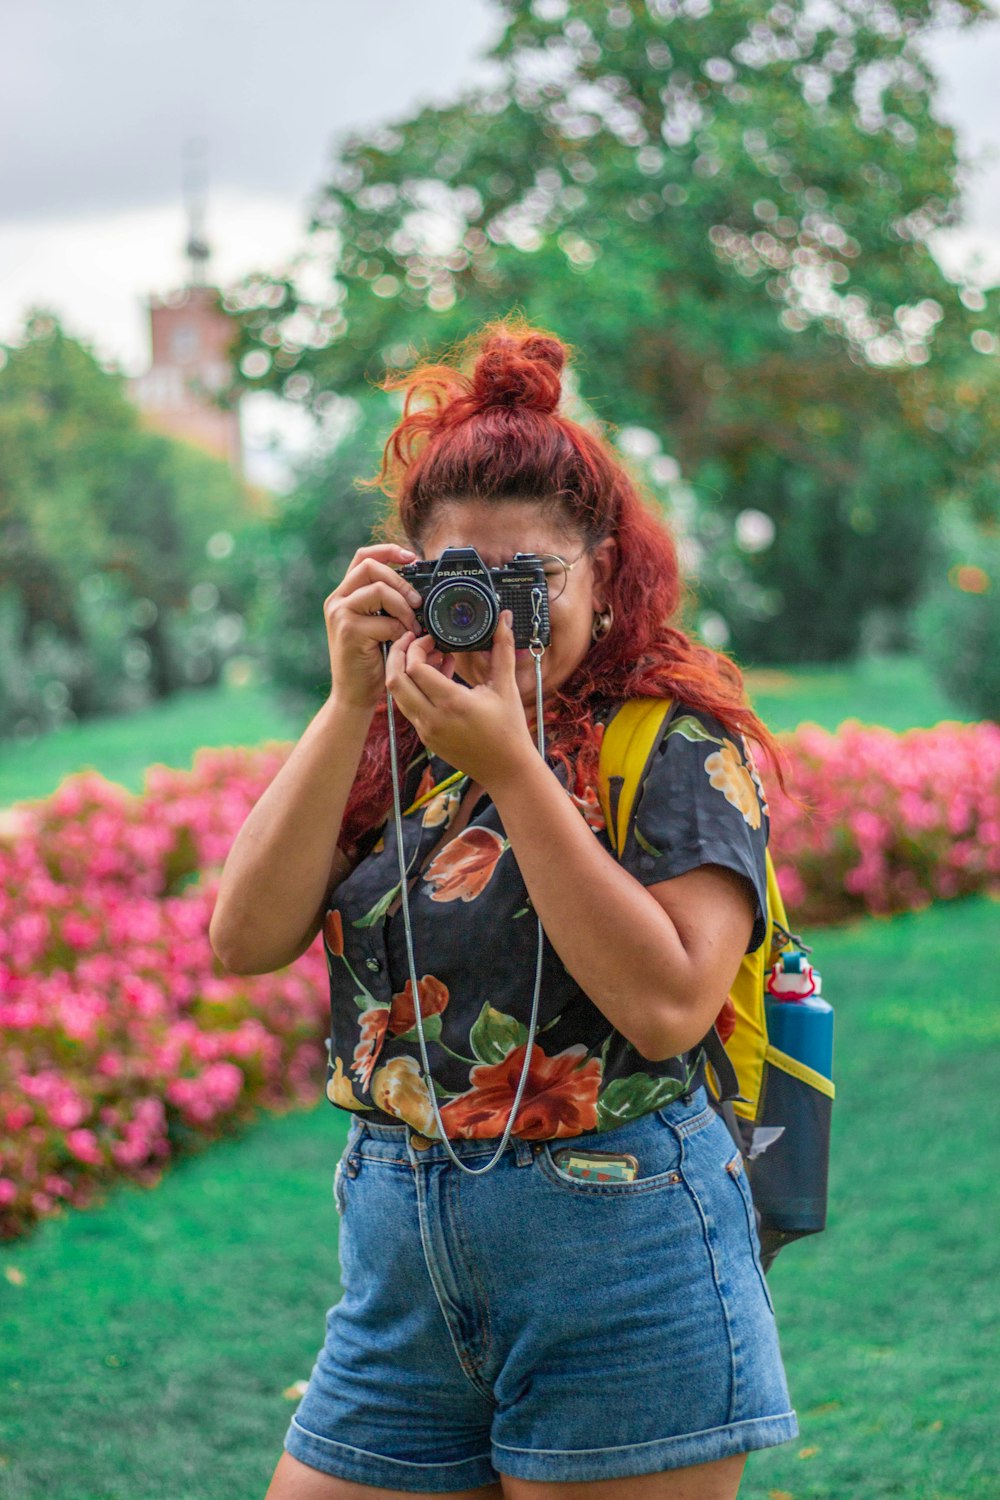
(790, 1169)
(799, 1020)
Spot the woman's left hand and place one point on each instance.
(480, 730)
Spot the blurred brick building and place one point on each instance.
(190, 337)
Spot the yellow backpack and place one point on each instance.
(777, 1107)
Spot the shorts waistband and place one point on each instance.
(403, 1143)
(383, 1131)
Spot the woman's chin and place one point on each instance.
(528, 691)
(477, 670)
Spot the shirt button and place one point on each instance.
(373, 964)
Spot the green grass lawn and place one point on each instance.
(122, 747)
(891, 690)
(146, 1343)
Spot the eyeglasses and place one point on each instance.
(557, 571)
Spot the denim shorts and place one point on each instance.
(530, 1323)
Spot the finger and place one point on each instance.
(406, 692)
(435, 657)
(384, 554)
(502, 657)
(387, 550)
(396, 678)
(381, 595)
(425, 646)
(436, 685)
(422, 651)
(444, 661)
(368, 571)
(351, 629)
(396, 659)
(375, 627)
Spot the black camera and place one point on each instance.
(462, 599)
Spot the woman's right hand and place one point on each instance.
(355, 632)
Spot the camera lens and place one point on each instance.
(461, 613)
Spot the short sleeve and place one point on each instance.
(702, 803)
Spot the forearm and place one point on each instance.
(277, 872)
(613, 937)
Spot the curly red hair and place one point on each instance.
(496, 434)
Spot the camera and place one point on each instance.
(462, 599)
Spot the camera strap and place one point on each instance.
(536, 647)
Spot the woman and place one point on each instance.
(532, 1333)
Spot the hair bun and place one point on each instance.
(513, 371)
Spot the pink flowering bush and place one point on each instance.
(125, 1042)
(897, 820)
(124, 1039)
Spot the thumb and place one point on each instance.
(502, 654)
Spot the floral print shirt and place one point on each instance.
(475, 940)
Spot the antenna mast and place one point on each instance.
(195, 179)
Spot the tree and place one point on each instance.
(726, 209)
(104, 531)
(308, 548)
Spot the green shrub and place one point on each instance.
(305, 553)
(957, 624)
(118, 545)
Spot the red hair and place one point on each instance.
(495, 434)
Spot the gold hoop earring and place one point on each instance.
(602, 624)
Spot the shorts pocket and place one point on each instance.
(338, 1187)
(652, 1141)
(736, 1172)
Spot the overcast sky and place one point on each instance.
(98, 97)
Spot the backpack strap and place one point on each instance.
(632, 737)
(729, 1085)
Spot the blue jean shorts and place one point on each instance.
(528, 1322)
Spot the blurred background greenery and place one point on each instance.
(726, 211)
(738, 255)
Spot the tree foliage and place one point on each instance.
(307, 549)
(105, 530)
(958, 621)
(726, 209)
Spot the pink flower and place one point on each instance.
(111, 999)
(80, 932)
(83, 1145)
(68, 1110)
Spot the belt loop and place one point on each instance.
(414, 1154)
(355, 1135)
(523, 1153)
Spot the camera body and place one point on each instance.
(462, 599)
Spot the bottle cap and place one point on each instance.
(792, 983)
